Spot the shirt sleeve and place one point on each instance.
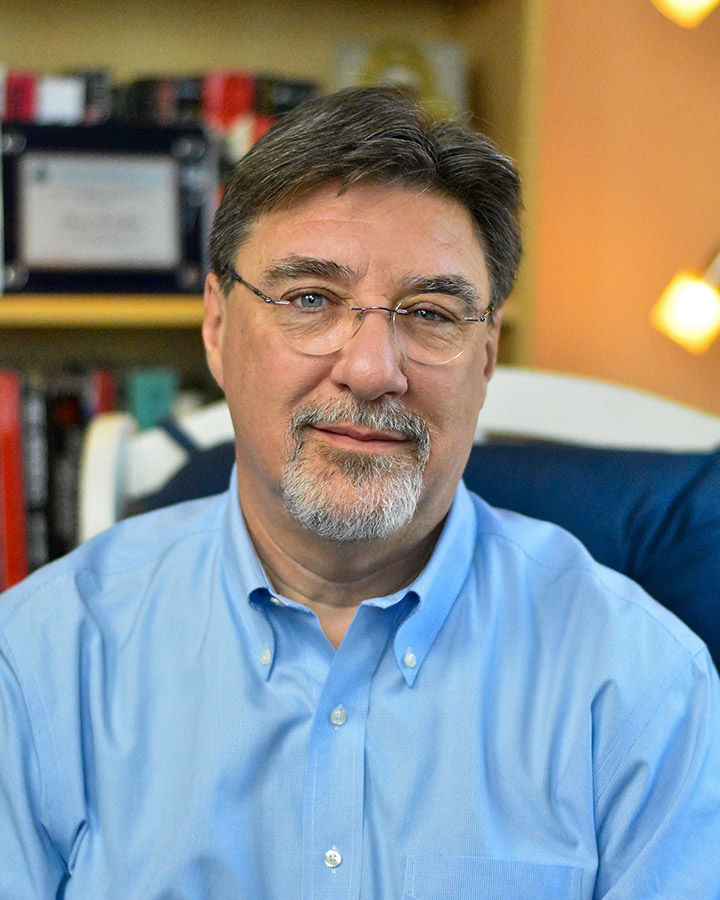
(658, 815)
(30, 866)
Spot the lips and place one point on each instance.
(361, 434)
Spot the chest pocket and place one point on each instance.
(475, 878)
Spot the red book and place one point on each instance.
(21, 95)
(101, 393)
(13, 539)
(226, 97)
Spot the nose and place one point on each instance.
(371, 364)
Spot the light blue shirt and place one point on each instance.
(520, 723)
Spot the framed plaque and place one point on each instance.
(106, 209)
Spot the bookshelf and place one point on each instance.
(501, 39)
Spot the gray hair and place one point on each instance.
(380, 135)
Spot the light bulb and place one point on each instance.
(689, 312)
(688, 13)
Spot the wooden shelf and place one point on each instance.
(106, 311)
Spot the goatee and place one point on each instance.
(380, 492)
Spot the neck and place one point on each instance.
(332, 578)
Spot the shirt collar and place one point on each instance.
(429, 598)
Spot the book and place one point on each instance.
(21, 89)
(151, 395)
(13, 540)
(35, 469)
(227, 96)
(97, 90)
(229, 112)
(60, 100)
(276, 95)
(65, 428)
(101, 392)
(189, 99)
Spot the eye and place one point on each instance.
(310, 300)
(433, 314)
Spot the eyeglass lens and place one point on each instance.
(432, 333)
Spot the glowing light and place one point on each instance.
(689, 312)
(688, 13)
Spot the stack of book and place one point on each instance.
(237, 106)
(42, 426)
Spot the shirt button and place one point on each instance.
(266, 657)
(333, 858)
(276, 601)
(410, 659)
(338, 716)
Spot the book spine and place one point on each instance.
(227, 96)
(13, 539)
(97, 91)
(21, 90)
(35, 462)
(65, 425)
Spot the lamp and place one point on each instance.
(688, 13)
(689, 309)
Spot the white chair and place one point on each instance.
(534, 404)
(121, 464)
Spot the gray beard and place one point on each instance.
(384, 490)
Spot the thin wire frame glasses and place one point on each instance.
(431, 330)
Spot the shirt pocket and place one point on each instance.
(434, 877)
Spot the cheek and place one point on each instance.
(454, 414)
(265, 383)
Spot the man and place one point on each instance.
(347, 677)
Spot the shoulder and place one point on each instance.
(112, 567)
(553, 558)
(607, 657)
(540, 573)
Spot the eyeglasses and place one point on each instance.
(430, 328)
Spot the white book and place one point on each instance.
(61, 100)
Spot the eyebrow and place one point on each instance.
(451, 285)
(304, 266)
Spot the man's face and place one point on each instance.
(361, 441)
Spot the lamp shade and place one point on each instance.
(688, 13)
(689, 312)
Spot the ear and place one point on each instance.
(214, 325)
(492, 339)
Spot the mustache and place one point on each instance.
(390, 415)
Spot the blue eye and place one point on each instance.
(433, 315)
(310, 300)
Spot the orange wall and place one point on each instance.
(628, 191)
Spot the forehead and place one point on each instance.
(370, 226)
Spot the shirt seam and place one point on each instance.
(591, 571)
(660, 695)
(92, 569)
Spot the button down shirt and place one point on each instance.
(519, 722)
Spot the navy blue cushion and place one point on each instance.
(652, 516)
